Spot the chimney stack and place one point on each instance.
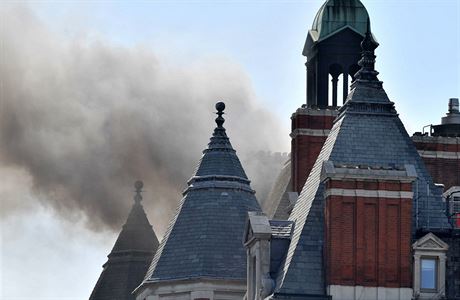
(453, 105)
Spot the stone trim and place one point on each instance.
(315, 112)
(191, 289)
(214, 184)
(436, 140)
(439, 154)
(368, 293)
(369, 193)
(257, 242)
(405, 173)
(257, 227)
(309, 132)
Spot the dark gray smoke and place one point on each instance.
(86, 118)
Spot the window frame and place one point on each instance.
(436, 274)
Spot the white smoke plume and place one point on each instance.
(84, 118)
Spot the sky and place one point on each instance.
(56, 56)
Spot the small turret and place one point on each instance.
(130, 256)
(333, 50)
(450, 124)
(201, 254)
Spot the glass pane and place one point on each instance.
(428, 280)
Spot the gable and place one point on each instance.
(430, 242)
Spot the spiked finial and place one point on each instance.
(138, 185)
(220, 106)
(367, 62)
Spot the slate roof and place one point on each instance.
(367, 131)
(129, 259)
(204, 239)
(280, 239)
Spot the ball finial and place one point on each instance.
(138, 185)
(220, 106)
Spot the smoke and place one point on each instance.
(82, 119)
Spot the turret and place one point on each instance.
(202, 255)
(130, 256)
(333, 50)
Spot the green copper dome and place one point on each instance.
(334, 15)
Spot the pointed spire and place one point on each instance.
(367, 95)
(219, 158)
(137, 232)
(130, 256)
(367, 73)
(204, 237)
(219, 139)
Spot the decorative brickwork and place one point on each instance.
(310, 128)
(442, 158)
(368, 226)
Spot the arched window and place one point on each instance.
(334, 72)
(346, 88)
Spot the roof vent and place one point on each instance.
(453, 105)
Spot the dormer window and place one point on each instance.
(429, 267)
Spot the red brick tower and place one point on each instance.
(310, 128)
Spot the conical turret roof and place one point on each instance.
(130, 256)
(204, 239)
(369, 132)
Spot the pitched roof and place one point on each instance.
(129, 259)
(367, 131)
(204, 239)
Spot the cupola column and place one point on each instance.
(335, 79)
(345, 85)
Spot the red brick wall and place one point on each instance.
(305, 148)
(443, 170)
(305, 151)
(368, 239)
